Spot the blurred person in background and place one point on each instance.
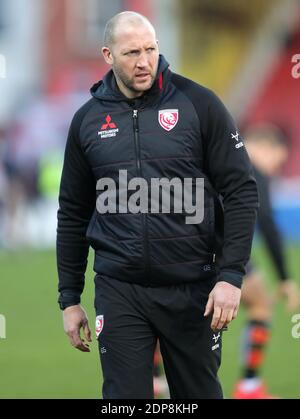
(21, 179)
(268, 150)
(32, 153)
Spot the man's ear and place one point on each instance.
(107, 55)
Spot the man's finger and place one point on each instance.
(235, 313)
(82, 347)
(229, 317)
(222, 320)
(77, 342)
(87, 332)
(209, 306)
(216, 317)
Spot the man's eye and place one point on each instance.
(133, 53)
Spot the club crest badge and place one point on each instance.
(168, 118)
(99, 324)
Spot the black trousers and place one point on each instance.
(134, 317)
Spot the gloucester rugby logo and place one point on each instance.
(99, 324)
(168, 118)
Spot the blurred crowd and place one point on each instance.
(31, 156)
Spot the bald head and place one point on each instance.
(131, 49)
(122, 21)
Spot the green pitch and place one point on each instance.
(36, 360)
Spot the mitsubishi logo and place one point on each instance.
(109, 129)
(108, 124)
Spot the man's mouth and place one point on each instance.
(142, 75)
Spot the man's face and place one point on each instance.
(134, 59)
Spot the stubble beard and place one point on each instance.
(129, 82)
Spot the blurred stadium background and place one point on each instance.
(49, 58)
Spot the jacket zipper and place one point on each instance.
(140, 174)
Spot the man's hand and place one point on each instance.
(75, 318)
(289, 290)
(223, 301)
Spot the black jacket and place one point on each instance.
(111, 133)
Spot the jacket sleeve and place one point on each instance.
(76, 205)
(230, 172)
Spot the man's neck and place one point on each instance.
(130, 94)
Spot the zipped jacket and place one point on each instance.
(177, 130)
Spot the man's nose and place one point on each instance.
(142, 61)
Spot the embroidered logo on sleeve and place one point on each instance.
(236, 137)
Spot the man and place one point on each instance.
(268, 151)
(158, 275)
